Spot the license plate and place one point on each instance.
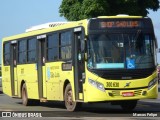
(128, 94)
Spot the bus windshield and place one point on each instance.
(123, 51)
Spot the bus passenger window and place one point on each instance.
(22, 47)
(31, 50)
(7, 54)
(66, 39)
(52, 47)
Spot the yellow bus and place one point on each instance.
(104, 59)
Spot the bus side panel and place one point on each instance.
(56, 78)
(28, 73)
(15, 82)
(6, 80)
(44, 82)
(52, 78)
(66, 75)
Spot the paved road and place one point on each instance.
(97, 111)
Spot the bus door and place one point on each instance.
(13, 68)
(41, 66)
(79, 65)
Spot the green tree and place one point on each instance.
(82, 9)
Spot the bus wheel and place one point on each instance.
(69, 103)
(25, 100)
(128, 105)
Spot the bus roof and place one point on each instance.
(120, 16)
(47, 30)
(62, 27)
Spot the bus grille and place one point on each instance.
(117, 92)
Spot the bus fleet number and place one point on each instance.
(112, 84)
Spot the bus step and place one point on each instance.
(15, 96)
(79, 101)
(43, 100)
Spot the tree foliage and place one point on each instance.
(82, 9)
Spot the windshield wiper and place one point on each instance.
(137, 34)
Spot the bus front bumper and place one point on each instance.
(97, 95)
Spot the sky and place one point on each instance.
(18, 15)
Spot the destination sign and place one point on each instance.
(120, 24)
(107, 24)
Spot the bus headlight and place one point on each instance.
(98, 85)
(152, 83)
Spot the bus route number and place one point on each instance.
(112, 84)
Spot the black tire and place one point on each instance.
(34, 102)
(25, 100)
(68, 98)
(128, 105)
